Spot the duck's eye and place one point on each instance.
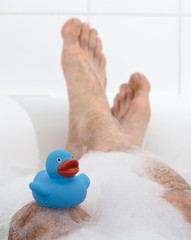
(59, 160)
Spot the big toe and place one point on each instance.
(71, 31)
(139, 83)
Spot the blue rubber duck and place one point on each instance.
(57, 186)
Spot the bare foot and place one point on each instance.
(84, 70)
(132, 109)
(37, 222)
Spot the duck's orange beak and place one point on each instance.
(68, 168)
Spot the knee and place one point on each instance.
(34, 221)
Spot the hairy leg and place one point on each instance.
(100, 131)
(84, 69)
(93, 126)
(132, 109)
(34, 221)
(178, 191)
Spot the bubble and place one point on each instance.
(122, 202)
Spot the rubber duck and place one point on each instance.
(58, 186)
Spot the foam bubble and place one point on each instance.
(122, 201)
(130, 204)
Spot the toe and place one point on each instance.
(122, 110)
(139, 82)
(84, 38)
(103, 61)
(123, 88)
(122, 101)
(93, 39)
(122, 95)
(98, 48)
(128, 97)
(71, 30)
(129, 92)
(115, 108)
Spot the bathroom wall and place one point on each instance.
(149, 36)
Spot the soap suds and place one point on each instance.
(122, 201)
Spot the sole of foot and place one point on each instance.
(83, 65)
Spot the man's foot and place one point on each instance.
(82, 48)
(132, 109)
(84, 70)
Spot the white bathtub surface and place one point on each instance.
(18, 141)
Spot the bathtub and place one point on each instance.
(33, 126)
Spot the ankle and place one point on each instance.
(103, 133)
(93, 121)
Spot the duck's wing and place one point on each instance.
(85, 179)
(40, 176)
(39, 189)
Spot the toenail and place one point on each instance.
(136, 77)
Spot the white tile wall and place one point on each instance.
(143, 44)
(186, 6)
(186, 55)
(147, 36)
(43, 6)
(30, 48)
(135, 6)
